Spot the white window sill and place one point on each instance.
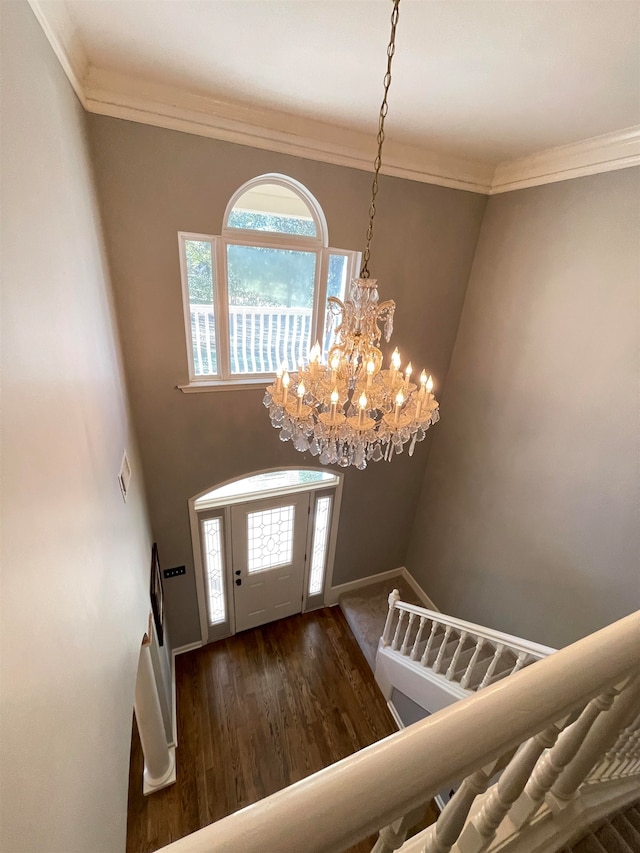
(253, 384)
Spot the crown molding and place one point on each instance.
(53, 16)
(606, 153)
(119, 96)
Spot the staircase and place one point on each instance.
(620, 834)
(459, 656)
(542, 746)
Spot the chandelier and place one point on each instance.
(351, 410)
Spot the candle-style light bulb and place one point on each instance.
(399, 402)
(334, 404)
(371, 366)
(335, 364)
(286, 380)
(423, 381)
(301, 392)
(395, 365)
(407, 375)
(362, 402)
(429, 387)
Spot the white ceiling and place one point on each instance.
(487, 81)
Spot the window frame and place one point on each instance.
(223, 379)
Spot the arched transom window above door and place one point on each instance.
(254, 297)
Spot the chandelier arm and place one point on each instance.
(377, 163)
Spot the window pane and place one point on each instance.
(200, 283)
(336, 286)
(320, 541)
(270, 306)
(270, 538)
(212, 529)
(267, 482)
(270, 207)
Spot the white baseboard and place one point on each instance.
(396, 716)
(415, 586)
(334, 592)
(180, 650)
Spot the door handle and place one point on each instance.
(238, 581)
(238, 571)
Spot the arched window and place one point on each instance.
(254, 298)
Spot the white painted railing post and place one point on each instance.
(600, 737)
(396, 637)
(610, 761)
(443, 647)
(492, 666)
(450, 824)
(405, 643)
(394, 596)
(416, 643)
(553, 763)
(481, 831)
(466, 678)
(454, 660)
(424, 660)
(392, 837)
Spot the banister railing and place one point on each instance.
(261, 338)
(463, 652)
(344, 803)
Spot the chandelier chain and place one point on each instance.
(377, 163)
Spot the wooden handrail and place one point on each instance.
(338, 806)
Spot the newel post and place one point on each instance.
(394, 597)
(159, 758)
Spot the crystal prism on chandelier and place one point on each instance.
(352, 411)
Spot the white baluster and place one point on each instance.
(451, 822)
(469, 670)
(613, 755)
(555, 760)
(405, 643)
(424, 659)
(443, 648)
(628, 758)
(519, 663)
(492, 665)
(394, 596)
(599, 738)
(454, 660)
(478, 834)
(392, 837)
(396, 636)
(416, 642)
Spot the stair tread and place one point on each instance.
(589, 844)
(612, 841)
(366, 609)
(627, 830)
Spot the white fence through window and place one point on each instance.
(261, 338)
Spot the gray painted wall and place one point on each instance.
(76, 558)
(528, 519)
(155, 182)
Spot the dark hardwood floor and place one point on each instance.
(257, 712)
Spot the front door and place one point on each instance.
(269, 543)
